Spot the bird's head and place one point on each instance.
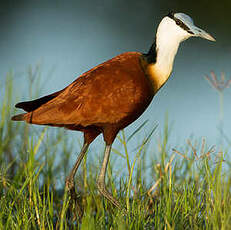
(179, 27)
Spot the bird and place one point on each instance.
(112, 95)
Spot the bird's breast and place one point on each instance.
(156, 74)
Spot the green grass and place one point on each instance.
(161, 188)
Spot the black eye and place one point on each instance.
(178, 22)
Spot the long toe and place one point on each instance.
(108, 195)
(69, 184)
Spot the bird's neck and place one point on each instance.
(160, 60)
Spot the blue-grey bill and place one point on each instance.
(201, 33)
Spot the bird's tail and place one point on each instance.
(19, 117)
(30, 106)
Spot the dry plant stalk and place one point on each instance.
(219, 85)
(167, 168)
(202, 154)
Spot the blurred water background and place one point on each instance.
(67, 38)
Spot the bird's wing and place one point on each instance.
(105, 94)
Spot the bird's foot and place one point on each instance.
(69, 184)
(70, 187)
(108, 195)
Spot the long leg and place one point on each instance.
(101, 178)
(70, 185)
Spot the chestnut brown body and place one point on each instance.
(104, 100)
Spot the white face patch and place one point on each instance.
(168, 37)
(169, 31)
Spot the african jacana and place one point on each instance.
(113, 94)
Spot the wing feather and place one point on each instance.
(105, 94)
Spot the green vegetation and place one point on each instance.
(161, 188)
